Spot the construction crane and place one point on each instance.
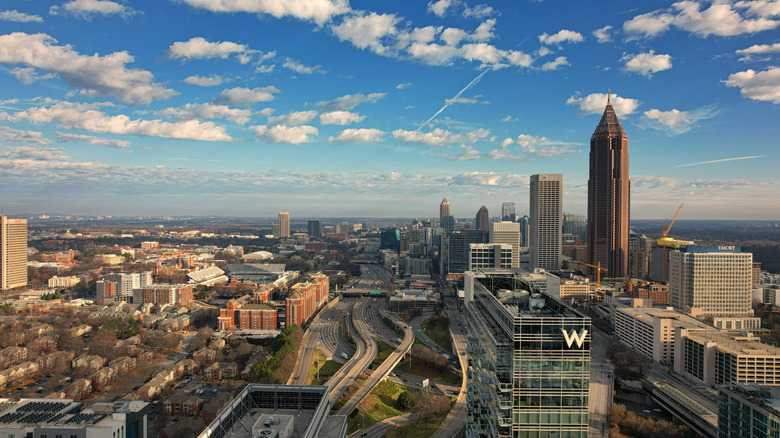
(664, 240)
(598, 271)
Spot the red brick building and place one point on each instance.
(306, 298)
(242, 314)
(176, 294)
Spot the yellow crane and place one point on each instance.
(598, 270)
(663, 239)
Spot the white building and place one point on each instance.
(63, 282)
(509, 233)
(490, 255)
(545, 221)
(120, 286)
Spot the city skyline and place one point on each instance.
(324, 107)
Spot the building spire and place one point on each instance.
(609, 97)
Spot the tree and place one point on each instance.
(405, 401)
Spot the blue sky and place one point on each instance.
(364, 108)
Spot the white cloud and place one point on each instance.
(509, 118)
(33, 153)
(355, 136)
(646, 63)
(265, 68)
(299, 67)
(96, 75)
(112, 143)
(200, 48)
(285, 134)
(195, 111)
(293, 119)
(340, 118)
(366, 30)
(20, 17)
(81, 116)
(758, 49)
(403, 86)
(90, 8)
(439, 8)
(246, 97)
(19, 136)
(596, 102)
(28, 75)
(490, 179)
(563, 36)
(479, 11)
(440, 137)
(349, 101)
(205, 81)
(720, 19)
(761, 8)
(603, 34)
(554, 64)
(764, 85)
(675, 121)
(319, 11)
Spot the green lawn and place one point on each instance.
(327, 368)
(420, 369)
(383, 350)
(423, 429)
(439, 333)
(377, 406)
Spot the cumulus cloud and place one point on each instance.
(200, 48)
(33, 153)
(83, 116)
(763, 85)
(562, 36)
(96, 75)
(490, 179)
(603, 34)
(555, 64)
(28, 75)
(205, 81)
(440, 137)
(89, 139)
(675, 122)
(285, 134)
(340, 118)
(301, 68)
(246, 97)
(20, 17)
(89, 8)
(720, 18)
(360, 135)
(368, 30)
(403, 86)
(19, 136)
(349, 101)
(195, 111)
(646, 63)
(596, 102)
(758, 49)
(293, 119)
(479, 11)
(439, 8)
(531, 145)
(319, 11)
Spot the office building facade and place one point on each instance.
(545, 224)
(508, 212)
(715, 279)
(482, 221)
(748, 410)
(314, 229)
(529, 360)
(284, 224)
(13, 253)
(459, 242)
(509, 233)
(608, 196)
(489, 255)
(575, 225)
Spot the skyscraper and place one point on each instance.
(508, 212)
(545, 221)
(483, 219)
(574, 224)
(444, 209)
(529, 360)
(608, 196)
(284, 224)
(507, 232)
(314, 228)
(13, 253)
(446, 220)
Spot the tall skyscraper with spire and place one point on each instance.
(446, 220)
(482, 219)
(444, 209)
(608, 196)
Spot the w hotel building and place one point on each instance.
(529, 360)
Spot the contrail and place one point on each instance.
(722, 160)
(471, 84)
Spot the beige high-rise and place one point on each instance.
(545, 220)
(509, 233)
(284, 224)
(13, 253)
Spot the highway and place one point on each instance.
(601, 385)
(456, 419)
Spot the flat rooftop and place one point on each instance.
(647, 314)
(736, 344)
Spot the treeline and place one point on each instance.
(628, 424)
(428, 356)
(272, 369)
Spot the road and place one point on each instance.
(366, 351)
(456, 419)
(601, 385)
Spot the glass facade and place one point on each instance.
(529, 362)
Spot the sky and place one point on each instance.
(337, 108)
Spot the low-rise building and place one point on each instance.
(63, 282)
